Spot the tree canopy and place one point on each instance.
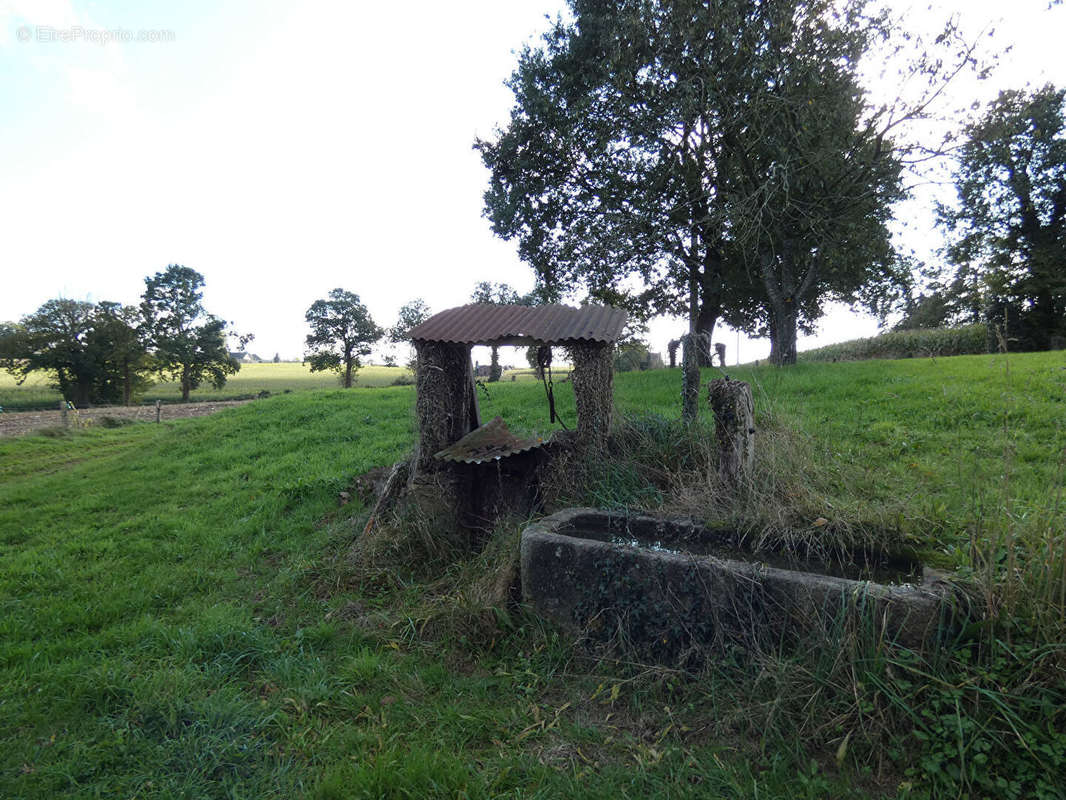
(412, 313)
(189, 344)
(708, 159)
(94, 353)
(119, 344)
(1008, 225)
(500, 294)
(341, 332)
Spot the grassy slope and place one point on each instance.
(928, 442)
(161, 636)
(937, 440)
(250, 381)
(165, 591)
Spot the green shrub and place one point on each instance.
(916, 343)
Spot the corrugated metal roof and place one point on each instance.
(481, 323)
(491, 442)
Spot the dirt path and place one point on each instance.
(15, 423)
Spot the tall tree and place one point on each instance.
(707, 157)
(607, 174)
(8, 332)
(341, 332)
(412, 313)
(188, 343)
(944, 301)
(1008, 225)
(118, 343)
(55, 339)
(817, 173)
(94, 353)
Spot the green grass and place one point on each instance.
(924, 440)
(176, 619)
(249, 382)
(931, 437)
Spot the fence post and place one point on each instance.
(158, 409)
(63, 413)
(734, 429)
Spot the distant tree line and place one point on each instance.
(108, 353)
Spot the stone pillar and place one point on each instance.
(593, 380)
(734, 428)
(445, 405)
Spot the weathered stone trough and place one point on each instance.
(672, 587)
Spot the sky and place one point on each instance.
(286, 149)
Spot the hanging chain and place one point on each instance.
(544, 360)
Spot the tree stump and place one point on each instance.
(734, 428)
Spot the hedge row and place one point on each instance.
(916, 343)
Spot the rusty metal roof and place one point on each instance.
(482, 323)
(491, 442)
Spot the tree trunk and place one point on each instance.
(690, 380)
(534, 361)
(783, 334)
(127, 387)
(705, 322)
(784, 295)
(1045, 318)
(348, 373)
(690, 366)
(186, 387)
(494, 365)
(81, 394)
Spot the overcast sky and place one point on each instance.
(284, 149)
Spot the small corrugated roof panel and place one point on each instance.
(491, 442)
(482, 323)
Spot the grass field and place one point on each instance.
(249, 382)
(178, 619)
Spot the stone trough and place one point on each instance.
(670, 587)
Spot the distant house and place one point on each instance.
(246, 358)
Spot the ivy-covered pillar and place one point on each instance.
(593, 380)
(446, 406)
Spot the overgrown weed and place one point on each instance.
(791, 502)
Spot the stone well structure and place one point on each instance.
(457, 457)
